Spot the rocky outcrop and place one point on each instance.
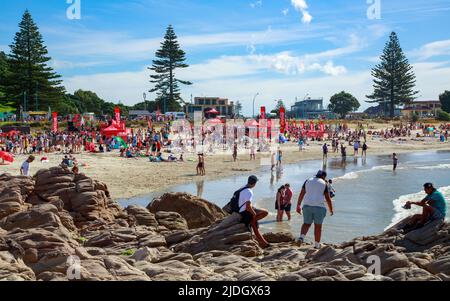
(228, 234)
(13, 193)
(59, 226)
(197, 212)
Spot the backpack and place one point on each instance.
(233, 205)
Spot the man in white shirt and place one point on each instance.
(315, 198)
(25, 168)
(251, 215)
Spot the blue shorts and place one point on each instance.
(314, 215)
(437, 215)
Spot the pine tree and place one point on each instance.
(31, 78)
(3, 74)
(394, 78)
(169, 58)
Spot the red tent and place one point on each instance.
(6, 156)
(213, 112)
(111, 131)
(252, 123)
(215, 121)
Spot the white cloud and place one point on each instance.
(302, 6)
(438, 48)
(299, 4)
(285, 11)
(256, 4)
(112, 46)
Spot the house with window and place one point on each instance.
(203, 104)
(424, 109)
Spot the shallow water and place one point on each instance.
(369, 196)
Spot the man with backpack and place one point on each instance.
(242, 203)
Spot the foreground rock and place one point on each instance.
(58, 226)
(197, 212)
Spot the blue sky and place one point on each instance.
(281, 49)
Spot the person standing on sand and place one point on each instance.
(394, 161)
(314, 197)
(235, 152)
(25, 168)
(250, 215)
(201, 165)
(253, 152)
(325, 152)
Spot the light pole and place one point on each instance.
(145, 101)
(254, 100)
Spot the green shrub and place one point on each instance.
(129, 252)
(443, 116)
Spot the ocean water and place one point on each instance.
(369, 198)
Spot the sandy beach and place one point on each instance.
(127, 178)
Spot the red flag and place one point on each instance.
(282, 120)
(117, 113)
(311, 126)
(149, 123)
(263, 112)
(322, 128)
(55, 122)
(302, 125)
(269, 128)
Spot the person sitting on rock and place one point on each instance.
(251, 215)
(434, 208)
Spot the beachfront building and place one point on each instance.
(310, 108)
(423, 109)
(139, 114)
(204, 104)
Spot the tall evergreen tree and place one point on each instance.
(168, 58)
(394, 78)
(30, 77)
(445, 101)
(3, 73)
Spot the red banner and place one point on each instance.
(311, 126)
(282, 120)
(263, 112)
(322, 128)
(117, 114)
(55, 122)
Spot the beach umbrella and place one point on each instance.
(6, 156)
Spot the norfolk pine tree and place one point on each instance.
(29, 75)
(168, 58)
(394, 78)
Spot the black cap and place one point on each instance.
(252, 180)
(428, 186)
(321, 174)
